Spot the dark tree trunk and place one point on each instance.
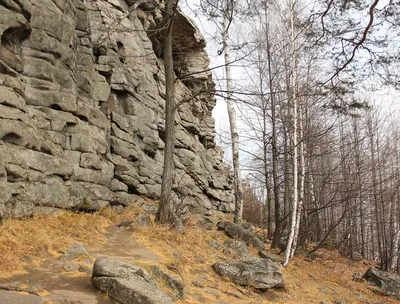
(166, 210)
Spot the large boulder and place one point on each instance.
(235, 247)
(258, 273)
(127, 283)
(239, 233)
(388, 283)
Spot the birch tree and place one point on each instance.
(295, 218)
(225, 10)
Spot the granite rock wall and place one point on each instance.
(82, 108)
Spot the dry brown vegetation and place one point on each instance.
(327, 277)
(47, 234)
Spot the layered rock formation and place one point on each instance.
(81, 108)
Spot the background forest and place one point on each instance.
(314, 85)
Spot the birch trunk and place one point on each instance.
(301, 192)
(232, 116)
(294, 139)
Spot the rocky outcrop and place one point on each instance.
(127, 283)
(82, 108)
(388, 283)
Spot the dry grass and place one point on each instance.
(326, 278)
(48, 234)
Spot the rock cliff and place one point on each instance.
(81, 108)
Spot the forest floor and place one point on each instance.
(30, 253)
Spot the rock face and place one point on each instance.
(388, 283)
(258, 273)
(127, 283)
(82, 108)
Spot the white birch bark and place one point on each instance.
(301, 192)
(294, 139)
(232, 116)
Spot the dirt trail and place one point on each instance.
(53, 284)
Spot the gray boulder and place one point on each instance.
(126, 283)
(235, 247)
(388, 283)
(239, 233)
(222, 224)
(76, 251)
(258, 273)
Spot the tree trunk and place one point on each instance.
(277, 203)
(301, 192)
(166, 211)
(294, 140)
(232, 116)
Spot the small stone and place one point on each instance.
(212, 291)
(357, 276)
(76, 251)
(143, 220)
(201, 259)
(337, 301)
(214, 245)
(178, 226)
(198, 283)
